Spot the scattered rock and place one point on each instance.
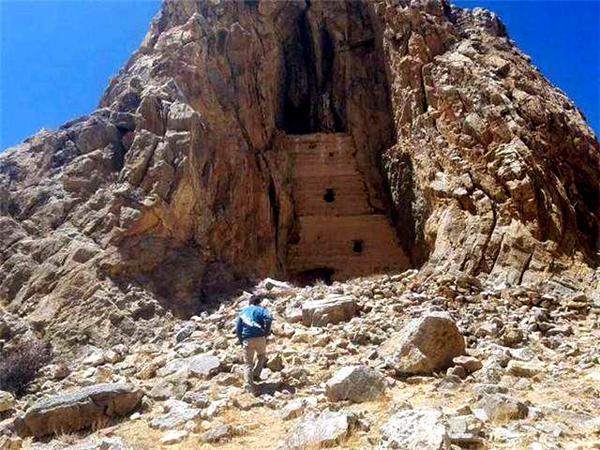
(457, 371)
(293, 409)
(500, 407)
(328, 429)
(465, 431)
(332, 309)
(177, 413)
(275, 363)
(469, 363)
(173, 437)
(523, 369)
(219, 433)
(355, 383)
(201, 366)
(95, 359)
(185, 332)
(483, 389)
(57, 371)
(417, 429)
(274, 285)
(425, 345)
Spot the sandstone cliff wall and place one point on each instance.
(176, 188)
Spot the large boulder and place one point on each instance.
(355, 383)
(326, 430)
(415, 429)
(332, 309)
(78, 410)
(425, 345)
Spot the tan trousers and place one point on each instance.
(254, 347)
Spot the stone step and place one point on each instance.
(331, 195)
(340, 233)
(350, 245)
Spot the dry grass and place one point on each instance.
(20, 365)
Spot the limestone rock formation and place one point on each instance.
(452, 153)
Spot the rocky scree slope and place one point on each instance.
(377, 362)
(177, 187)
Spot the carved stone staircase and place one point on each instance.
(339, 232)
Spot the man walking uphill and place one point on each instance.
(252, 328)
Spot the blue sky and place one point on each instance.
(56, 57)
(563, 39)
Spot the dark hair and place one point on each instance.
(255, 300)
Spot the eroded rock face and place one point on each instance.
(179, 186)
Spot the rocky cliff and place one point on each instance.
(181, 186)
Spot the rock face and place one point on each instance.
(79, 410)
(458, 143)
(425, 345)
(355, 383)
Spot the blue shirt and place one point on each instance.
(253, 321)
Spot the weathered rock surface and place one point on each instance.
(217, 434)
(200, 366)
(173, 437)
(425, 345)
(485, 167)
(469, 363)
(326, 430)
(419, 429)
(503, 407)
(355, 383)
(523, 369)
(78, 410)
(332, 309)
(176, 414)
(7, 401)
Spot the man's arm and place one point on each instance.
(238, 329)
(267, 320)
